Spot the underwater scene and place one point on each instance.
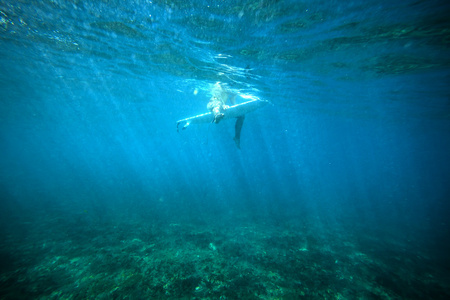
(251, 149)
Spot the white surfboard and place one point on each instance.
(231, 112)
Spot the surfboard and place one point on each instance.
(231, 112)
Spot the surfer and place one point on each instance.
(217, 105)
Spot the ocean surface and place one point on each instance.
(341, 188)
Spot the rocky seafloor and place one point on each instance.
(247, 258)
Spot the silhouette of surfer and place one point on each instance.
(217, 105)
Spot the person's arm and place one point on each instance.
(237, 130)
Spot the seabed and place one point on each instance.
(246, 258)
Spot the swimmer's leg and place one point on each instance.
(237, 130)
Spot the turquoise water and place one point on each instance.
(340, 189)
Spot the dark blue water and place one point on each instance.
(340, 190)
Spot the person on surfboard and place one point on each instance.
(217, 105)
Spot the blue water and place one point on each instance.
(340, 190)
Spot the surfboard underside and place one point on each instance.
(231, 112)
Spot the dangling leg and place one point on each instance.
(237, 130)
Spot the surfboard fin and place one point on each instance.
(182, 128)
